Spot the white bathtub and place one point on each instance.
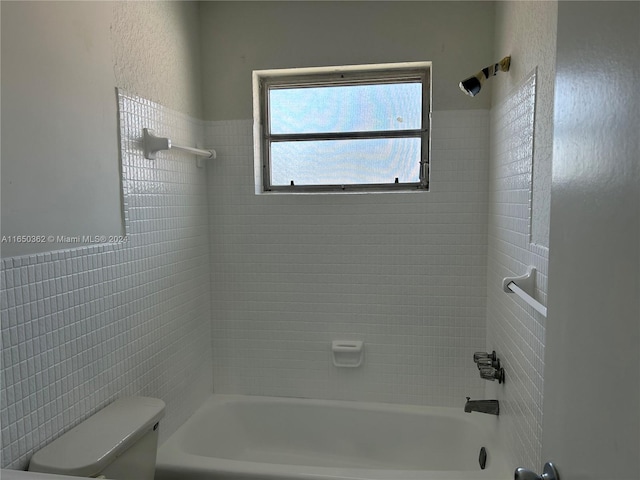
(260, 438)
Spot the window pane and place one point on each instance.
(346, 162)
(351, 108)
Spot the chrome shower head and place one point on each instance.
(472, 85)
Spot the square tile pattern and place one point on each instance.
(403, 272)
(219, 288)
(514, 329)
(81, 327)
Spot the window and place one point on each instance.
(343, 128)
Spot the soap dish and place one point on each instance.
(347, 353)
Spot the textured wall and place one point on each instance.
(592, 414)
(60, 168)
(156, 52)
(238, 37)
(61, 63)
(404, 272)
(83, 326)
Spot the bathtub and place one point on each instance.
(236, 437)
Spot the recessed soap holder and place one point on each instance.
(347, 353)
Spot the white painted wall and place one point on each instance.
(592, 356)
(61, 62)
(238, 37)
(156, 52)
(60, 172)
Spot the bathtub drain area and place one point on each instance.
(482, 458)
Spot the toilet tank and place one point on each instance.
(118, 442)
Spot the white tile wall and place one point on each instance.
(84, 326)
(514, 329)
(404, 272)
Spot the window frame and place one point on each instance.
(267, 80)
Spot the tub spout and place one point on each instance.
(492, 407)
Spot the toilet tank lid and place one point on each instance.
(89, 447)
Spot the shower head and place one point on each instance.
(472, 85)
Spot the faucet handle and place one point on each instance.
(490, 373)
(488, 362)
(477, 356)
(484, 362)
(481, 355)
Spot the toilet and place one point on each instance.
(119, 442)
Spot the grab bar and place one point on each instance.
(523, 286)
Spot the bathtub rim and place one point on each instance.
(172, 458)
